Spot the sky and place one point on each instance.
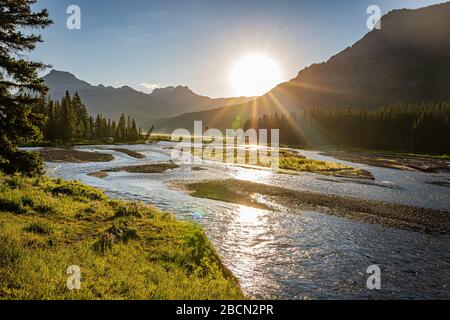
(195, 43)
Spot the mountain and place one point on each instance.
(408, 60)
(182, 97)
(111, 102)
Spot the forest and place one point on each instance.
(423, 128)
(67, 122)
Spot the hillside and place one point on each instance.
(407, 60)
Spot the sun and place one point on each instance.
(254, 75)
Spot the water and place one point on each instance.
(292, 254)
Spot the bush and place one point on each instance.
(45, 208)
(10, 203)
(199, 245)
(15, 182)
(39, 228)
(124, 234)
(105, 243)
(75, 189)
(134, 209)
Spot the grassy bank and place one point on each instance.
(124, 250)
(289, 163)
(367, 211)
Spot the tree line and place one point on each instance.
(67, 121)
(401, 127)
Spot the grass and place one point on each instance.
(289, 162)
(124, 250)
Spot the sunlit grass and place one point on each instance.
(289, 162)
(125, 250)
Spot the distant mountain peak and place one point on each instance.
(172, 90)
(111, 102)
(60, 74)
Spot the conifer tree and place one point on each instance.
(67, 122)
(121, 132)
(17, 125)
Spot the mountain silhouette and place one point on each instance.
(407, 60)
(111, 102)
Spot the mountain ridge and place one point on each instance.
(145, 107)
(407, 60)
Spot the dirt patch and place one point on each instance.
(131, 153)
(199, 169)
(441, 183)
(367, 211)
(100, 175)
(393, 161)
(74, 156)
(145, 168)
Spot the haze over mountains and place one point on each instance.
(407, 60)
(111, 102)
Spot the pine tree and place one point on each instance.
(134, 135)
(17, 73)
(121, 132)
(67, 122)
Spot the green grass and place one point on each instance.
(291, 162)
(125, 250)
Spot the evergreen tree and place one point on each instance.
(134, 135)
(17, 124)
(121, 132)
(67, 123)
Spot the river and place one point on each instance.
(291, 254)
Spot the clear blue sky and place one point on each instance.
(195, 42)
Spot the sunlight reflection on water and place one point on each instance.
(293, 255)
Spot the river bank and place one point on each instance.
(424, 163)
(368, 211)
(290, 253)
(124, 250)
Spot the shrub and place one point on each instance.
(39, 228)
(45, 208)
(15, 182)
(124, 234)
(105, 243)
(10, 203)
(27, 201)
(75, 189)
(198, 244)
(134, 209)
